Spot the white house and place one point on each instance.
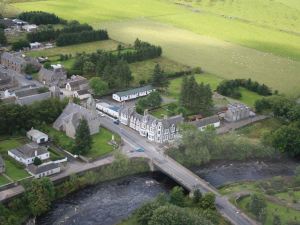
(27, 153)
(212, 121)
(35, 45)
(45, 169)
(37, 136)
(111, 110)
(133, 93)
(30, 27)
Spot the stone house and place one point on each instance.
(156, 130)
(7, 80)
(71, 116)
(28, 152)
(236, 112)
(133, 93)
(77, 83)
(56, 76)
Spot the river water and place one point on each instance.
(108, 203)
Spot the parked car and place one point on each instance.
(140, 150)
(28, 77)
(117, 122)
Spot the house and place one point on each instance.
(55, 76)
(236, 112)
(82, 94)
(71, 116)
(110, 110)
(7, 80)
(28, 152)
(37, 136)
(35, 45)
(212, 121)
(133, 93)
(156, 130)
(13, 61)
(30, 27)
(77, 83)
(45, 169)
(18, 62)
(2, 165)
(8, 23)
(28, 95)
(19, 22)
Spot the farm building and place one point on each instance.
(35, 45)
(111, 110)
(37, 136)
(30, 27)
(43, 170)
(28, 152)
(133, 93)
(2, 165)
(212, 121)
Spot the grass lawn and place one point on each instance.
(256, 130)
(15, 170)
(55, 155)
(106, 45)
(225, 44)
(60, 138)
(284, 213)
(238, 187)
(249, 97)
(160, 112)
(100, 145)
(10, 143)
(3, 180)
(144, 70)
(287, 197)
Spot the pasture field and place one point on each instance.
(3, 180)
(106, 45)
(197, 36)
(144, 70)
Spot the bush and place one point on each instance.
(20, 44)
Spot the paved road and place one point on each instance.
(182, 175)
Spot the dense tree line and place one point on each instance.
(39, 17)
(72, 33)
(197, 98)
(64, 39)
(20, 44)
(230, 88)
(159, 78)
(3, 40)
(16, 119)
(287, 137)
(199, 147)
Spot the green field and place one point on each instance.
(222, 37)
(144, 70)
(107, 45)
(3, 180)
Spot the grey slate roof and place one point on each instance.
(172, 120)
(28, 151)
(83, 92)
(7, 22)
(134, 91)
(206, 121)
(76, 84)
(13, 57)
(42, 168)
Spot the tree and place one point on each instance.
(39, 193)
(83, 139)
(88, 67)
(154, 99)
(276, 220)
(159, 78)
(177, 196)
(37, 161)
(145, 212)
(287, 139)
(47, 65)
(98, 86)
(122, 73)
(20, 44)
(208, 201)
(197, 196)
(257, 204)
(30, 69)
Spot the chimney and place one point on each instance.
(165, 117)
(35, 153)
(146, 112)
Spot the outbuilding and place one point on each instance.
(111, 110)
(133, 93)
(37, 136)
(44, 170)
(202, 124)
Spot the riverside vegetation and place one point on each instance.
(39, 194)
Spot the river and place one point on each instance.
(110, 202)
